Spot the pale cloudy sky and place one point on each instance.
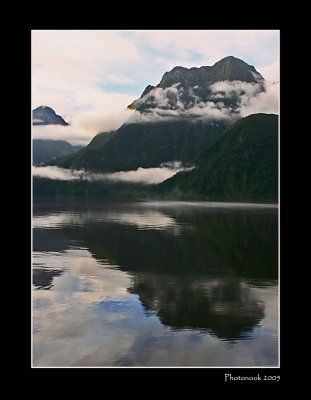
(89, 77)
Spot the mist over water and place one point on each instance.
(155, 284)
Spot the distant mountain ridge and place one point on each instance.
(44, 115)
(45, 150)
(144, 145)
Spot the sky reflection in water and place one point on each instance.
(155, 285)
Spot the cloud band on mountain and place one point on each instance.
(83, 127)
(167, 104)
(141, 175)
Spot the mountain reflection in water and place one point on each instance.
(196, 269)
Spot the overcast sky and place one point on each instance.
(89, 77)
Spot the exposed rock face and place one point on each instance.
(183, 88)
(45, 115)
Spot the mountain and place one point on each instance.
(241, 165)
(229, 68)
(184, 88)
(175, 120)
(47, 150)
(144, 145)
(45, 115)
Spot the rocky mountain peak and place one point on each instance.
(45, 115)
(184, 88)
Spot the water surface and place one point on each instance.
(155, 284)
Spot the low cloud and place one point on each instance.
(83, 127)
(264, 102)
(252, 99)
(238, 88)
(55, 173)
(166, 104)
(141, 175)
(271, 72)
(149, 175)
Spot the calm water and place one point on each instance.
(155, 284)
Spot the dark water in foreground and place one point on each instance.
(155, 284)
